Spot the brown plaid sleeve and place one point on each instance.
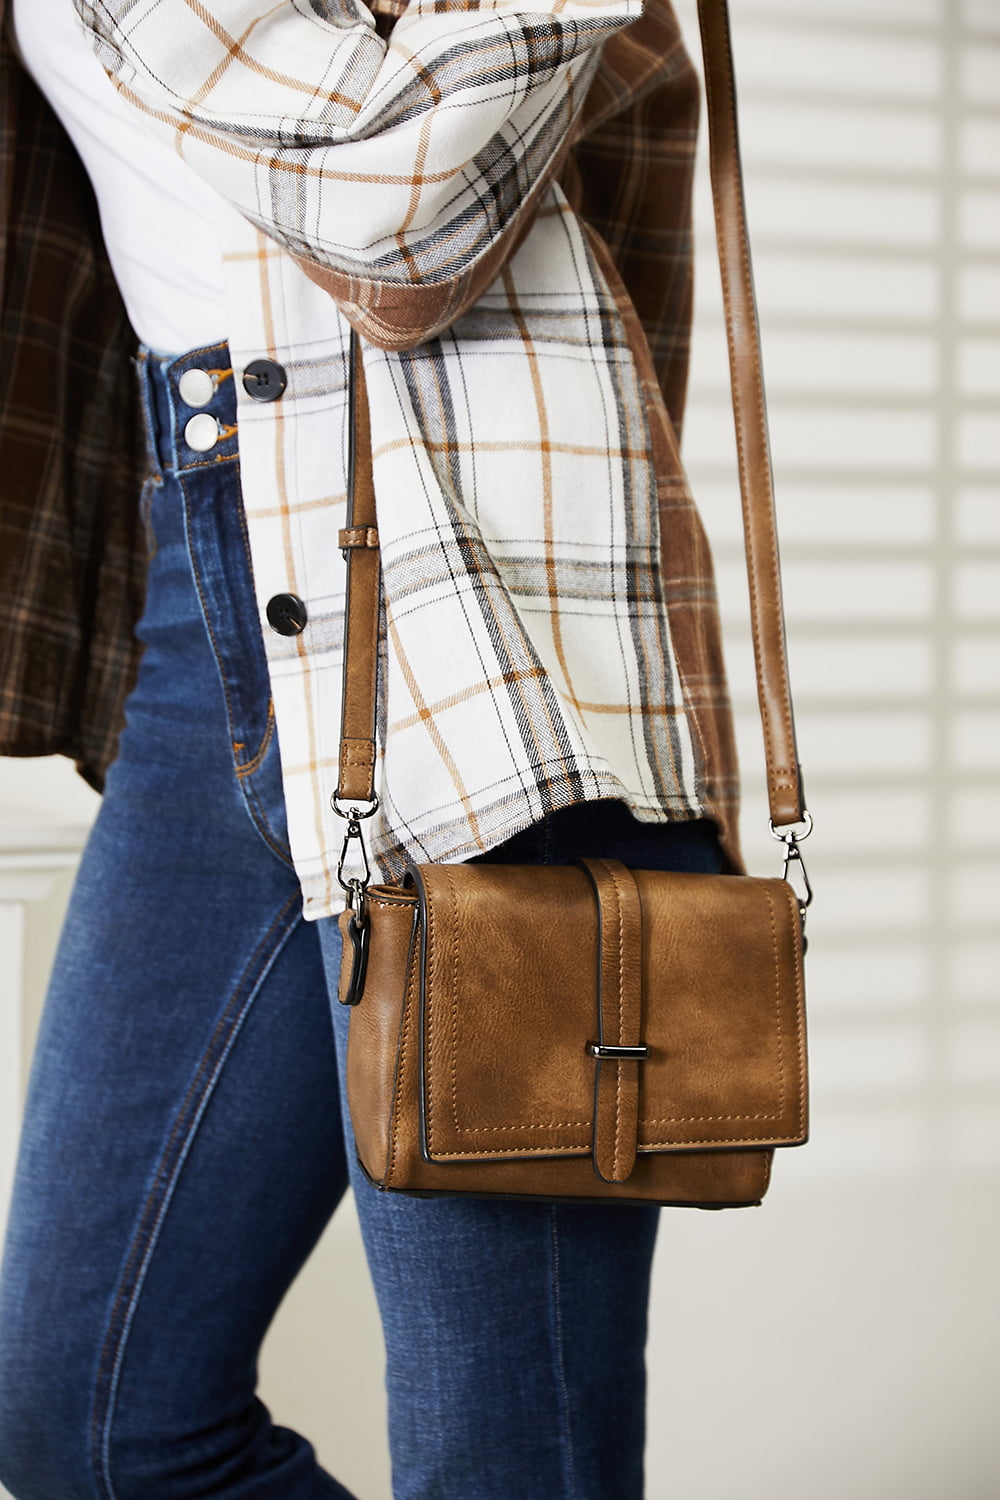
(71, 557)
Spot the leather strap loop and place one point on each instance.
(619, 1017)
(357, 536)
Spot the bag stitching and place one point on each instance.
(585, 1124)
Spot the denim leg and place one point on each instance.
(182, 1146)
(515, 1337)
(515, 1332)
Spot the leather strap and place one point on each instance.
(619, 1018)
(359, 540)
(784, 782)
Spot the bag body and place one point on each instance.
(584, 1032)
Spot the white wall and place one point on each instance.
(845, 1336)
(842, 1340)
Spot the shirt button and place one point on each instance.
(287, 614)
(201, 432)
(264, 379)
(196, 387)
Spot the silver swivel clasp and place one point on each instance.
(354, 815)
(794, 869)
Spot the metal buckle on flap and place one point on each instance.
(617, 1054)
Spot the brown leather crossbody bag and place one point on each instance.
(588, 1032)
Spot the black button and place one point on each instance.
(264, 379)
(286, 614)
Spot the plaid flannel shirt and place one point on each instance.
(498, 200)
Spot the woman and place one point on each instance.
(499, 203)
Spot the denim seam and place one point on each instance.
(247, 767)
(252, 805)
(245, 533)
(170, 436)
(191, 355)
(140, 364)
(147, 495)
(210, 463)
(165, 1178)
(559, 1364)
(279, 847)
(204, 605)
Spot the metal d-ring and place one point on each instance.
(353, 812)
(792, 832)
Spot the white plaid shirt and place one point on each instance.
(549, 629)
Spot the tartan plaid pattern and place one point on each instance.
(72, 553)
(522, 280)
(295, 113)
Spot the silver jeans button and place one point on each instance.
(201, 432)
(196, 387)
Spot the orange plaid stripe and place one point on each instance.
(551, 632)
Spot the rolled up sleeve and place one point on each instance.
(400, 171)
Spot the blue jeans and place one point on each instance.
(184, 1144)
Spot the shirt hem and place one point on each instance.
(450, 843)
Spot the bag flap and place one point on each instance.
(509, 996)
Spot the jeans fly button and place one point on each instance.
(196, 388)
(201, 432)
